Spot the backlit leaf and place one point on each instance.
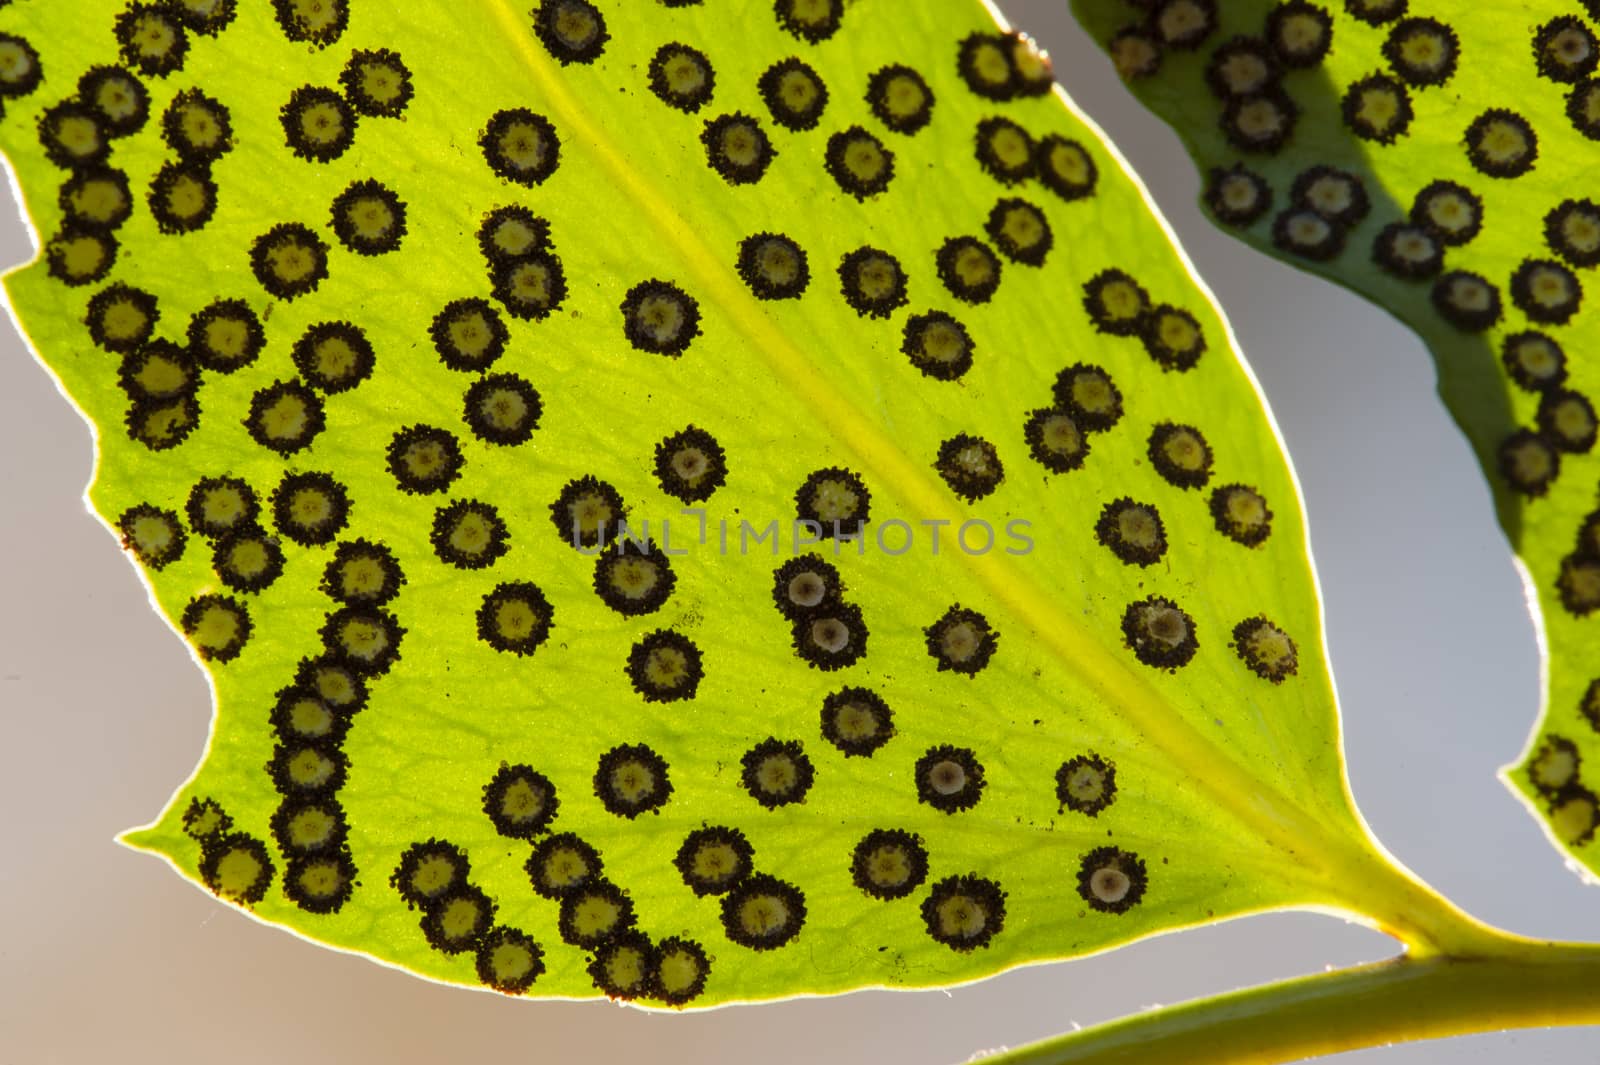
(368, 301)
(1437, 158)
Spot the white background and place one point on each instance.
(105, 955)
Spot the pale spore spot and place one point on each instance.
(377, 83)
(938, 345)
(1132, 531)
(949, 779)
(833, 637)
(968, 269)
(1088, 394)
(1086, 784)
(317, 22)
(660, 318)
(777, 772)
(1567, 420)
(319, 125)
(804, 586)
(1241, 66)
(428, 873)
(1112, 880)
(515, 618)
(1266, 649)
(1565, 49)
(1529, 463)
(1304, 232)
(889, 863)
(573, 31)
(633, 577)
(362, 573)
(561, 865)
(713, 860)
(836, 500)
(964, 912)
(1466, 300)
(531, 287)
(588, 513)
(320, 884)
(311, 508)
(369, 218)
(812, 21)
(458, 922)
(72, 136)
(520, 801)
(1065, 167)
(1261, 122)
(152, 39)
(509, 960)
(763, 912)
(96, 197)
(247, 561)
(289, 260)
(197, 126)
(204, 819)
(182, 198)
(795, 94)
(1054, 439)
(774, 266)
(737, 148)
(521, 146)
(682, 968)
(1554, 766)
(469, 335)
(119, 99)
(665, 666)
(424, 459)
(1534, 360)
(1546, 291)
(1422, 51)
(1020, 230)
(1004, 150)
(217, 626)
(20, 70)
(1237, 195)
(1502, 143)
(1578, 584)
(961, 641)
(1183, 24)
(285, 417)
(682, 77)
(226, 335)
(690, 465)
(900, 98)
(1572, 230)
(970, 465)
(859, 162)
(857, 721)
(333, 357)
(1180, 455)
(624, 966)
(592, 914)
(1159, 633)
(1408, 251)
(1241, 514)
(469, 534)
(237, 867)
(154, 535)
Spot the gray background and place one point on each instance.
(105, 954)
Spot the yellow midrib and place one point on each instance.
(1210, 768)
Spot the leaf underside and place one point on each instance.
(1073, 772)
(1468, 132)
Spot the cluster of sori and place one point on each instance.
(1250, 75)
(1555, 771)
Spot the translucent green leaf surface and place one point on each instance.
(1064, 687)
(1437, 159)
